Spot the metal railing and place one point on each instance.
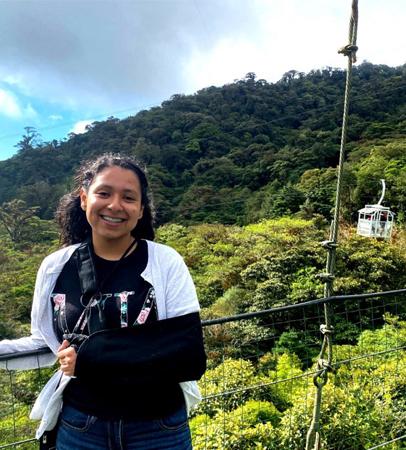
(258, 391)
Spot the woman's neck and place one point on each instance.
(112, 249)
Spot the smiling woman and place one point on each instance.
(120, 313)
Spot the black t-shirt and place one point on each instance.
(126, 300)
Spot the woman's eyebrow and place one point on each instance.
(107, 186)
(103, 186)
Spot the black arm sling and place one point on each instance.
(164, 350)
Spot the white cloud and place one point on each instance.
(16, 79)
(55, 117)
(223, 64)
(287, 36)
(9, 105)
(80, 127)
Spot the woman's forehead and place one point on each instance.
(117, 176)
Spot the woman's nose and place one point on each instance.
(115, 203)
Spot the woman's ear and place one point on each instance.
(83, 199)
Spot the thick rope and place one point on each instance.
(324, 363)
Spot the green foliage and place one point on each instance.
(318, 187)
(391, 335)
(19, 390)
(15, 217)
(265, 402)
(28, 384)
(276, 263)
(20, 224)
(16, 426)
(296, 342)
(386, 160)
(228, 376)
(250, 426)
(363, 403)
(242, 152)
(369, 265)
(230, 303)
(306, 285)
(18, 268)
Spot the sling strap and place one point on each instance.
(90, 286)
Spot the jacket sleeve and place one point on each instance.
(180, 292)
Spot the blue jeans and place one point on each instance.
(80, 431)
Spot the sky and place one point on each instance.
(67, 63)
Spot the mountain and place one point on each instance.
(242, 152)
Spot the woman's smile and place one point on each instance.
(112, 219)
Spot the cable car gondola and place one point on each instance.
(376, 220)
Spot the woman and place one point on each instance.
(127, 386)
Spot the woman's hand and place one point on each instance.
(67, 358)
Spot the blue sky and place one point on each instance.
(66, 63)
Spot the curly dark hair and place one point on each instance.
(72, 219)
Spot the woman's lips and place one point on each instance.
(112, 220)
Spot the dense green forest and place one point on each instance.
(266, 364)
(242, 152)
(243, 178)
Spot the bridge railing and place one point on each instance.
(258, 391)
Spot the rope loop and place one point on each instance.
(329, 245)
(326, 366)
(325, 276)
(321, 377)
(325, 329)
(349, 50)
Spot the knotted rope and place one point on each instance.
(324, 363)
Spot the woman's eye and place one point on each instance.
(102, 194)
(130, 199)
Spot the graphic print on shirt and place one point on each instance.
(123, 299)
(147, 307)
(59, 301)
(107, 311)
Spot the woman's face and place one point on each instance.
(113, 205)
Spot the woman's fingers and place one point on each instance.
(65, 344)
(67, 358)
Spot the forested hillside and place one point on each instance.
(234, 155)
(243, 178)
(242, 152)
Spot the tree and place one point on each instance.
(30, 140)
(15, 216)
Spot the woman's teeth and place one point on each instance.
(112, 219)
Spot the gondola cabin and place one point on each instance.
(375, 221)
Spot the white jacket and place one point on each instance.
(175, 296)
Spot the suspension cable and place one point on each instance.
(324, 363)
